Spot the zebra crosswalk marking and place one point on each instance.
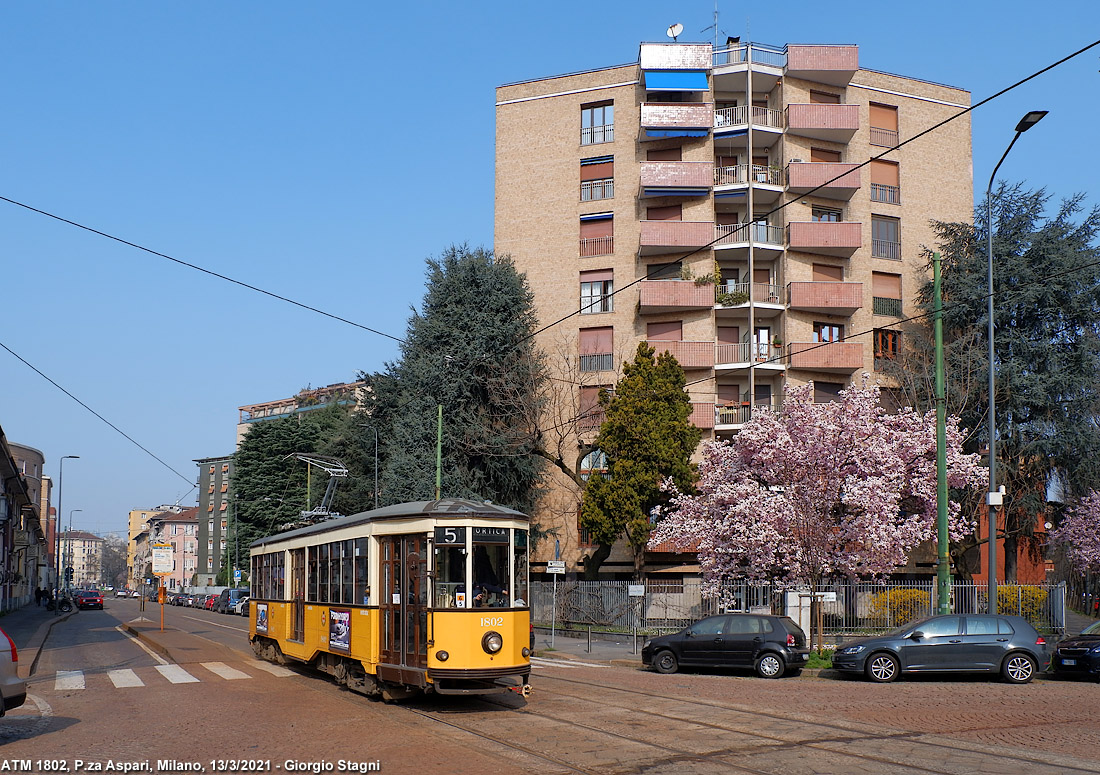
(276, 670)
(176, 674)
(68, 679)
(225, 671)
(124, 678)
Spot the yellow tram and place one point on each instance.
(430, 596)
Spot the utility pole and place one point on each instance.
(943, 566)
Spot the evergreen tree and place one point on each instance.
(470, 351)
(647, 439)
(1047, 322)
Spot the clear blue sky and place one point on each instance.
(323, 151)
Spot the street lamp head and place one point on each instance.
(1030, 120)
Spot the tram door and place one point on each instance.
(404, 603)
(298, 593)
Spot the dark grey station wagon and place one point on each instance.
(770, 645)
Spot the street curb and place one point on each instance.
(153, 645)
(38, 640)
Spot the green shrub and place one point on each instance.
(1022, 600)
(895, 607)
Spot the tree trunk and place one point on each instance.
(593, 562)
(1012, 550)
(639, 564)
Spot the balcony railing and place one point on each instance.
(741, 352)
(702, 414)
(591, 305)
(735, 294)
(884, 306)
(597, 246)
(739, 116)
(592, 190)
(690, 355)
(731, 233)
(827, 356)
(739, 174)
(890, 195)
(761, 55)
(594, 135)
(597, 362)
(885, 138)
(739, 414)
(827, 297)
(881, 248)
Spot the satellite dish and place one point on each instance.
(674, 30)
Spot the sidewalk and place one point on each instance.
(28, 627)
(605, 648)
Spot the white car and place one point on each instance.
(13, 689)
(241, 608)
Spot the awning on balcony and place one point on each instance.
(676, 80)
(730, 194)
(659, 191)
(677, 132)
(597, 216)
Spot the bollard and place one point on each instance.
(634, 640)
(590, 639)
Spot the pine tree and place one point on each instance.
(647, 438)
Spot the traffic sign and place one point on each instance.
(236, 575)
(162, 559)
(555, 566)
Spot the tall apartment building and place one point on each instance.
(307, 400)
(137, 534)
(83, 552)
(720, 191)
(215, 478)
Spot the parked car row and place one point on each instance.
(773, 646)
(228, 601)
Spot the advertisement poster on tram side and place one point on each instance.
(339, 629)
(261, 617)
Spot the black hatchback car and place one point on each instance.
(770, 645)
(1079, 654)
(973, 643)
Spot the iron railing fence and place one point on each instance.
(847, 608)
(591, 190)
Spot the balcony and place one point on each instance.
(832, 123)
(737, 294)
(676, 178)
(730, 67)
(825, 179)
(737, 235)
(661, 236)
(828, 298)
(702, 415)
(597, 362)
(673, 295)
(833, 65)
(738, 175)
(890, 195)
(690, 355)
(828, 238)
(742, 354)
(841, 357)
(676, 119)
(731, 416)
(597, 246)
(674, 56)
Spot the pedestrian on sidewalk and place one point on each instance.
(38, 596)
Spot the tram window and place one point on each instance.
(450, 576)
(334, 562)
(322, 573)
(347, 574)
(312, 584)
(491, 573)
(520, 597)
(362, 585)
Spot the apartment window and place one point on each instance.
(596, 290)
(884, 182)
(822, 155)
(885, 237)
(668, 331)
(884, 125)
(825, 215)
(664, 154)
(671, 271)
(887, 343)
(596, 349)
(825, 273)
(886, 293)
(823, 98)
(597, 178)
(828, 332)
(597, 235)
(583, 537)
(591, 414)
(597, 123)
(666, 213)
(595, 462)
(827, 392)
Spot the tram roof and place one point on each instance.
(439, 508)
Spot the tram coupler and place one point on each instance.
(523, 691)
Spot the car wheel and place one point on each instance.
(1018, 668)
(882, 667)
(769, 666)
(666, 662)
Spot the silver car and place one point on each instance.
(13, 689)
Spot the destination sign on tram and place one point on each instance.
(490, 535)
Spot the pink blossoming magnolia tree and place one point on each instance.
(1079, 534)
(818, 490)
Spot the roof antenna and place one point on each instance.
(674, 30)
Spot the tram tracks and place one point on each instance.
(578, 731)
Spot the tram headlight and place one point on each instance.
(526, 652)
(442, 656)
(492, 642)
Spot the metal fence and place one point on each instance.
(847, 608)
